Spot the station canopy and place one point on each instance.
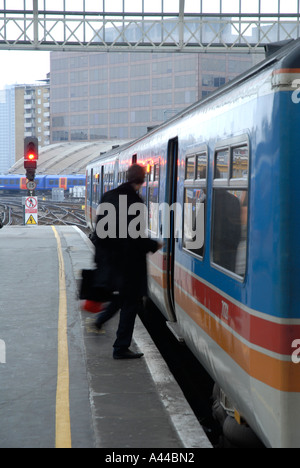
(67, 158)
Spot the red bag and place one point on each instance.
(92, 306)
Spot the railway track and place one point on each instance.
(50, 213)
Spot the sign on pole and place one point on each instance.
(31, 210)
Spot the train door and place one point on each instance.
(171, 198)
(63, 183)
(86, 194)
(101, 182)
(91, 196)
(116, 173)
(23, 185)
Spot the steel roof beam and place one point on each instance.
(142, 31)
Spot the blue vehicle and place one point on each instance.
(45, 183)
(232, 164)
(66, 182)
(17, 183)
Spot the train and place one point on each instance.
(231, 162)
(12, 183)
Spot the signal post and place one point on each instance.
(30, 202)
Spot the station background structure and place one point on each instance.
(152, 25)
(121, 95)
(127, 101)
(67, 158)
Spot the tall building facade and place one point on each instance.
(119, 95)
(7, 128)
(37, 113)
(24, 111)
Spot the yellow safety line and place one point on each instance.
(63, 425)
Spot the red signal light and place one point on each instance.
(31, 157)
(31, 153)
(31, 149)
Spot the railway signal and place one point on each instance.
(31, 155)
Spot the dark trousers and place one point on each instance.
(130, 307)
(111, 310)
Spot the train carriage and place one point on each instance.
(228, 277)
(13, 183)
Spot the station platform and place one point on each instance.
(59, 385)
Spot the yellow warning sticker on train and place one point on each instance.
(31, 220)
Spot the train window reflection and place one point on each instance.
(194, 220)
(230, 206)
(153, 198)
(201, 166)
(153, 209)
(230, 229)
(222, 164)
(240, 163)
(190, 168)
(195, 188)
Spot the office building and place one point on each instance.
(24, 111)
(119, 95)
(37, 112)
(7, 128)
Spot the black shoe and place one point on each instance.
(127, 355)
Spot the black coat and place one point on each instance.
(124, 257)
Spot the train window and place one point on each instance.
(156, 172)
(201, 166)
(194, 203)
(222, 164)
(153, 209)
(108, 181)
(240, 163)
(96, 188)
(230, 209)
(194, 220)
(151, 174)
(153, 199)
(190, 168)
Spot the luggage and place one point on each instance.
(92, 306)
(95, 286)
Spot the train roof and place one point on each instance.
(285, 54)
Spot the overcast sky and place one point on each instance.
(19, 67)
